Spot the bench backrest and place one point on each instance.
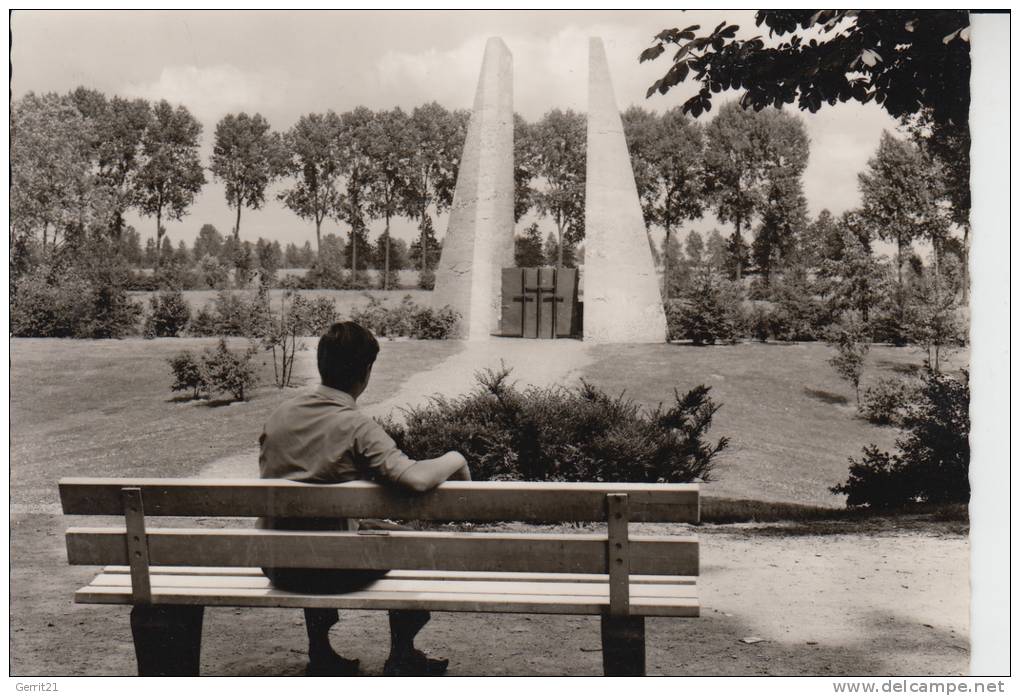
(616, 552)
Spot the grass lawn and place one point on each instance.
(791, 420)
(104, 408)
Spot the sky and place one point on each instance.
(285, 64)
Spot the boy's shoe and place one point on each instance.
(332, 667)
(417, 664)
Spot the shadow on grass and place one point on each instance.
(826, 396)
(901, 368)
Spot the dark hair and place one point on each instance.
(346, 352)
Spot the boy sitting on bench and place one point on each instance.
(321, 437)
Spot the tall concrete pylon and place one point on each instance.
(622, 302)
(480, 236)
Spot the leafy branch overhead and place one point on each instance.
(905, 60)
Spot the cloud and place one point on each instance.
(213, 91)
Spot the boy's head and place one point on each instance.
(345, 355)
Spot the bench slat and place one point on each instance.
(434, 575)
(472, 602)
(453, 500)
(547, 553)
(227, 583)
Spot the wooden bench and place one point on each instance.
(169, 575)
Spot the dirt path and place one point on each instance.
(533, 362)
(848, 604)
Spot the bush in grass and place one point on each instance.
(564, 434)
(427, 279)
(710, 311)
(228, 371)
(885, 402)
(43, 308)
(406, 319)
(851, 343)
(298, 316)
(233, 314)
(188, 374)
(169, 314)
(63, 302)
(933, 460)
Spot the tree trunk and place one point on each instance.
(386, 263)
(159, 237)
(559, 246)
(739, 247)
(318, 236)
(899, 262)
(424, 241)
(665, 262)
(237, 225)
(354, 255)
(45, 233)
(966, 265)
(935, 253)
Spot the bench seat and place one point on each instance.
(528, 593)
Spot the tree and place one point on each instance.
(557, 255)
(209, 241)
(118, 129)
(850, 341)
(905, 60)
(895, 198)
(528, 251)
(523, 168)
(733, 173)
(269, 257)
(557, 154)
(708, 311)
(354, 208)
(853, 280)
(311, 160)
(783, 143)
(171, 172)
(669, 153)
(246, 157)
(391, 150)
(430, 174)
(52, 180)
(933, 319)
(715, 248)
(821, 240)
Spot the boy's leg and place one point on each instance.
(321, 657)
(404, 660)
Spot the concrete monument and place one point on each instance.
(622, 302)
(479, 240)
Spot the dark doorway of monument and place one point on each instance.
(540, 303)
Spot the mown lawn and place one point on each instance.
(104, 408)
(790, 419)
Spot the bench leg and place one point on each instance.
(168, 639)
(623, 646)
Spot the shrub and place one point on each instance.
(298, 317)
(561, 434)
(227, 371)
(933, 461)
(406, 319)
(64, 303)
(169, 313)
(49, 309)
(852, 346)
(234, 314)
(427, 279)
(214, 272)
(188, 374)
(710, 311)
(885, 402)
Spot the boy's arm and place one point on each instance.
(426, 474)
